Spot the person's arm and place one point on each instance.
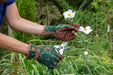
(12, 44)
(20, 24)
(45, 56)
(23, 25)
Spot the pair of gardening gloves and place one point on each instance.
(44, 54)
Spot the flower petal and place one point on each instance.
(88, 27)
(81, 28)
(72, 16)
(88, 31)
(70, 10)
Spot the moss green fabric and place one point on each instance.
(54, 29)
(32, 51)
(48, 57)
(45, 47)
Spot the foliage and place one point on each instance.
(73, 4)
(26, 9)
(77, 65)
(3, 52)
(97, 43)
(63, 4)
(47, 13)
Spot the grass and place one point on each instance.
(97, 62)
(74, 62)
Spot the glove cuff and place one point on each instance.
(55, 28)
(50, 31)
(47, 32)
(34, 52)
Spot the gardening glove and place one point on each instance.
(44, 55)
(62, 31)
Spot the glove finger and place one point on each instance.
(59, 56)
(50, 66)
(73, 32)
(54, 63)
(76, 25)
(75, 28)
(61, 34)
(66, 35)
(56, 60)
(73, 37)
(72, 28)
(64, 29)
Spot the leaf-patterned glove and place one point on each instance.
(62, 32)
(44, 55)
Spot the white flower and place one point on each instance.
(85, 52)
(69, 14)
(86, 30)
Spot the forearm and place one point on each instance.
(12, 44)
(27, 26)
(20, 24)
